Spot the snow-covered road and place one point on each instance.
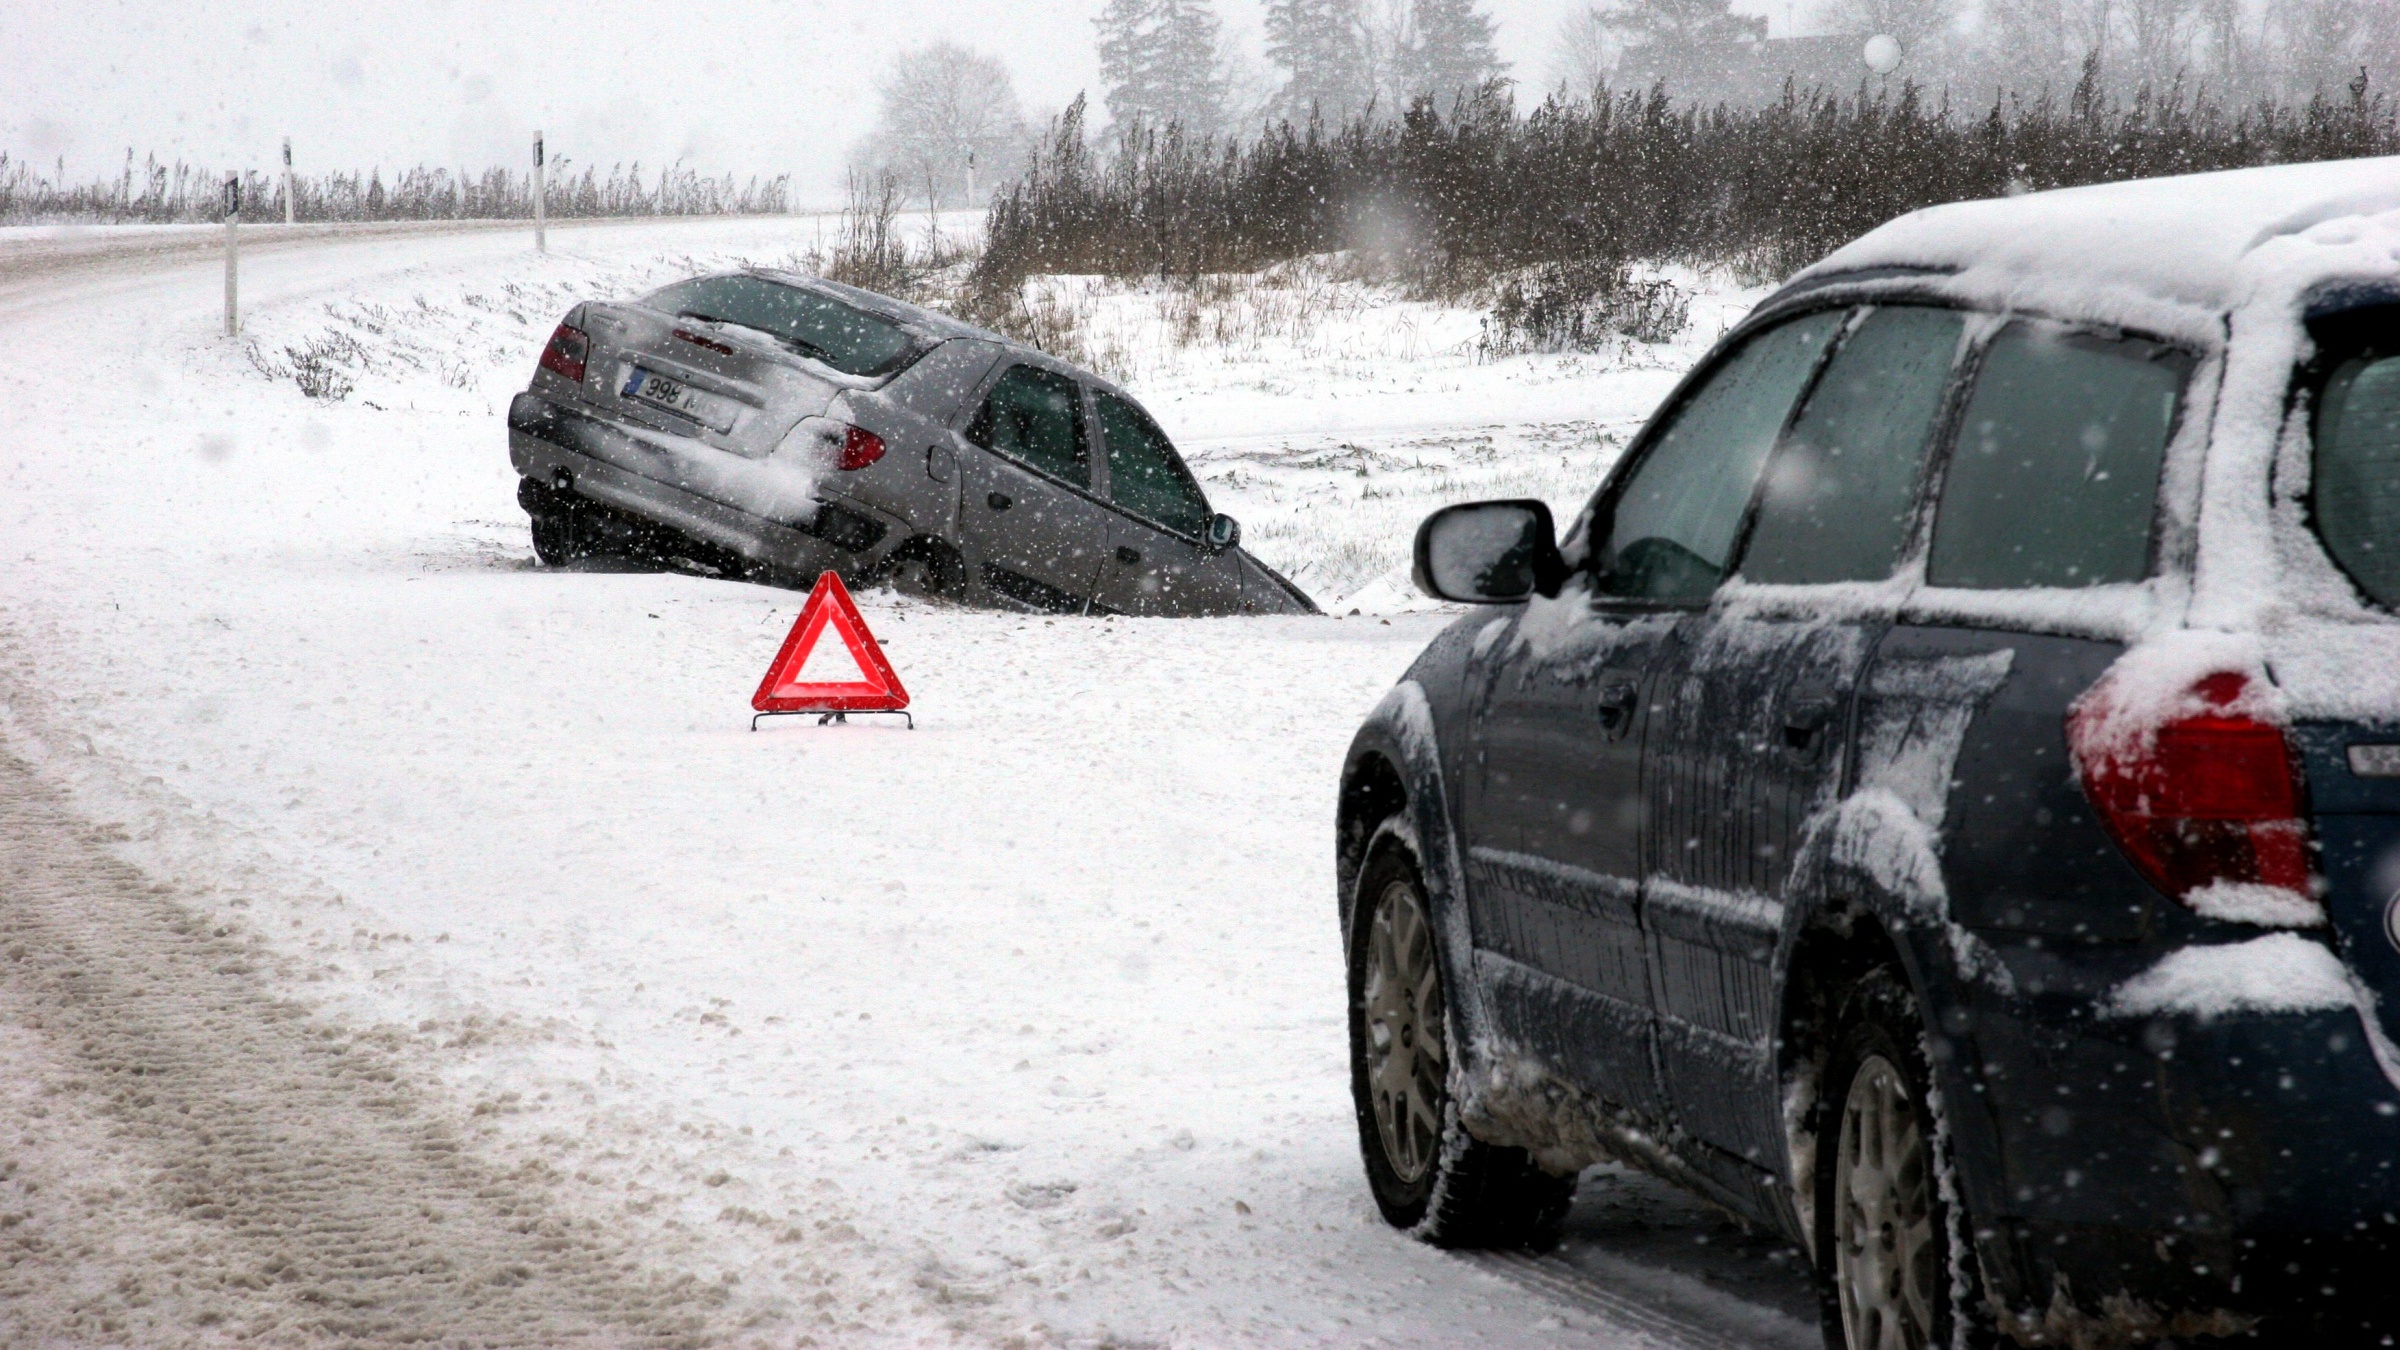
(455, 894)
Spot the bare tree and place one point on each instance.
(1918, 24)
(941, 108)
(2324, 44)
(1587, 51)
(1682, 22)
(2159, 38)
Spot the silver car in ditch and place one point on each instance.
(777, 425)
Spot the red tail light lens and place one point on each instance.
(569, 348)
(2213, 797)
(860, 448)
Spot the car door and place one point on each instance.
(1553, 797)
(1156, 562)
(1749, 724)
(1029, 524)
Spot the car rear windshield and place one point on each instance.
(842, 336)
(2357, 472)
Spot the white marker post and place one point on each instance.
(970, 180)
(541, 205)
(288, 211)
(233, 217)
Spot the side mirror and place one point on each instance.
(1223, 532)
(1489, 553)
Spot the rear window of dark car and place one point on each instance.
(2357, 472)
(842, 336)
(2055, 472)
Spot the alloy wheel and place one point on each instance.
(1407, 1051)
(1887, 1255)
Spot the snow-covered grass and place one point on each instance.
(1024, 1027)
(1330, 413)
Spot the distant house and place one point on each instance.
(1744, 72)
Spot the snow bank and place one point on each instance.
(2282, 972)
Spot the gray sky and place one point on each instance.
(767, 86)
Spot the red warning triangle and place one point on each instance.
(829, 604)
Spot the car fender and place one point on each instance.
(1870, 859)
(1402, 731)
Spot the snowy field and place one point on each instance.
(1021, 1029)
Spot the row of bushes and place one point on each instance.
(1461, 199)
(155, 192)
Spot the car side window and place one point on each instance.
(2055, 475)
(1035, 417)
(1842, 488)
(1675, 521)
(1144, 474)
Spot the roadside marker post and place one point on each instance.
(233, 217)
(288, 213)
(541, 200)
(784, 693)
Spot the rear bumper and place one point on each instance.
(2175, 1166)
(572, 450)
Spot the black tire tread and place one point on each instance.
(1478, 1195)
(1882, 1013)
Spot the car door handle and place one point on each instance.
(1618, 698)
(998, 501)
(1128, 555)
(1804, 724)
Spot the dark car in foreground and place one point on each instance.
(1940, 800)
(783, 425)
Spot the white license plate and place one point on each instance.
(679, 398)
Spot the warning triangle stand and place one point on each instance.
(784, 693)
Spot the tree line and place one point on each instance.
(1451, 199)
(156, 192)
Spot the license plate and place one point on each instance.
(679, 398)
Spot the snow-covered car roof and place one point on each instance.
(2169, 255)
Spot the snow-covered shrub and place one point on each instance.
(319, 365)
(1585, 305)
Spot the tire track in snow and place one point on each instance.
(185, 1158)
(1623, 1294)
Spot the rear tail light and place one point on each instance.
(569, 348)
(860, 448)
(2211, 796)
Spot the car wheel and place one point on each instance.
(1885, 1220)
(554, 538)
(922, 573)
(1428, 1174)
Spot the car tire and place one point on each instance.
(1428, 1174)
(1885, 1225)
(925, 572)
(554, 542)
(556, 519)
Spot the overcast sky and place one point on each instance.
(766, 86)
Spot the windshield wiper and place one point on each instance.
(800, 345)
